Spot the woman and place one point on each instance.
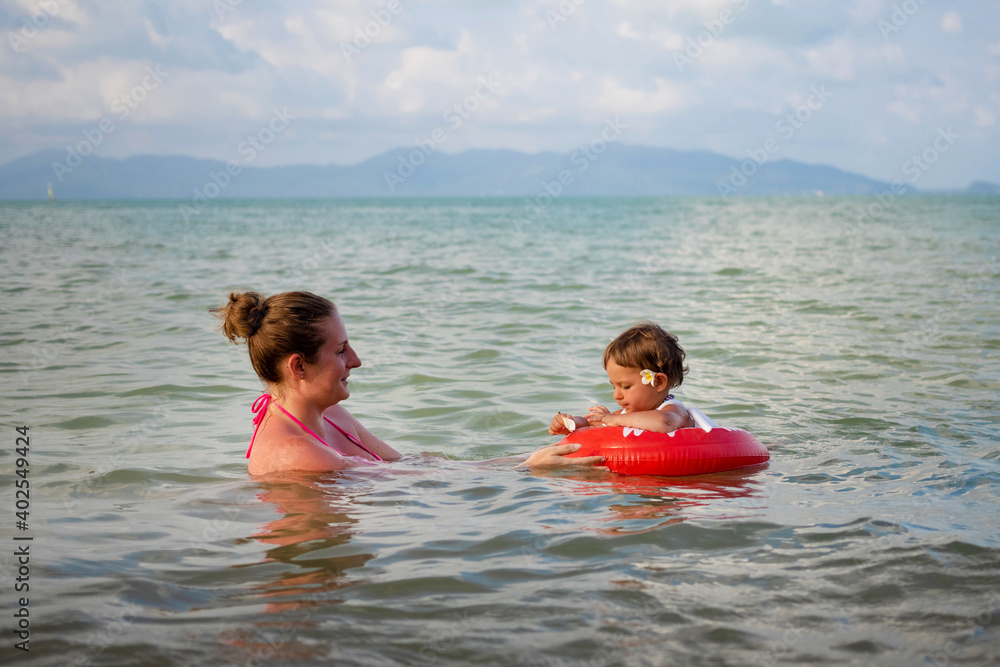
(299, 347)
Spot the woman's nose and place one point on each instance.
(354, 360)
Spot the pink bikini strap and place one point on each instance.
(260, 408)
(348, 435)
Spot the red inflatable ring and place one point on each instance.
(686, 451)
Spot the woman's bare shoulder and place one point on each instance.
(338, 411)
(293, 452)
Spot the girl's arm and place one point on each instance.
(670, 418)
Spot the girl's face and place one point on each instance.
(630, 393)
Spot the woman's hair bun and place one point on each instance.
(243, 315)
(276, 327)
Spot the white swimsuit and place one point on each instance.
(701, 420)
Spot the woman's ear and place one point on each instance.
(294, 366)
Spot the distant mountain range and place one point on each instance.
(983, 188)
(619, 170)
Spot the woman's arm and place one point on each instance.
(554, 456)
(349, 422)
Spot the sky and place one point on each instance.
(895, 90)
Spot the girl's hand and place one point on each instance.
(597, 415)
(558, 426)
(554, 456)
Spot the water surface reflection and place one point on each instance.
(306, 561)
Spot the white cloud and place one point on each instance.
(421, 64)
(905, 110)
(703, 8)
(308, 42)
(535, 115)
(947, 96)
(61, 31)
(951, 22)
(835, 60)
(730, 56)
(668, 40)
(521, 41)
(89, 91)
(625, 30)
(615, 97)
(983, 116)
(865, 12)
(227, 72)
(893, 53)
(424, 70)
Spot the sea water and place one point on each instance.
(858, 342)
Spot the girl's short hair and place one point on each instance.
(648, 346)
(275, 327)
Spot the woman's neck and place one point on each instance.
(305, 410)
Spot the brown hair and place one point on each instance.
(275, 327)
(647, 346)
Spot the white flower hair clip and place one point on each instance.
(647, 376)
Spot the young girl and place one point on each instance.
(643, 365)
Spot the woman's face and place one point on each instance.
(328, 376)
